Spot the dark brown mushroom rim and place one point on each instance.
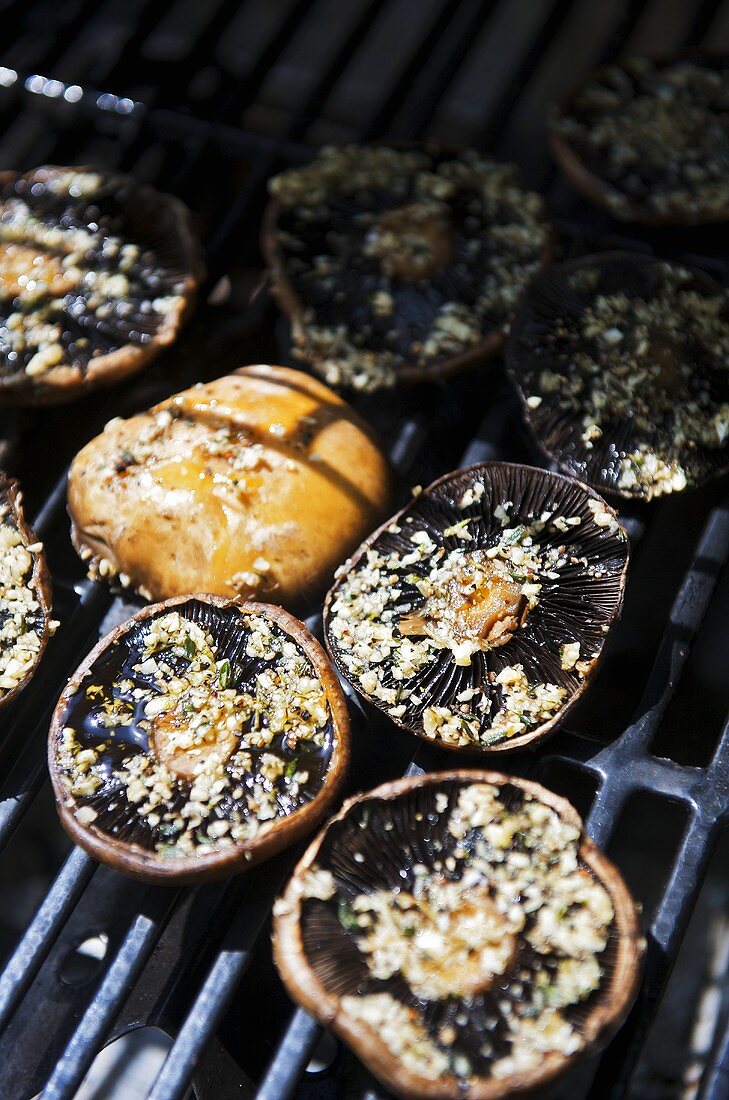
(620, 360)
(25, 604)
(462, 934)
(648, 139)
(97, 273)
(400, 265)
(200, 737)
(475, 617)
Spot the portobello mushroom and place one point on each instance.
(397, 265)
(97, 273)
(621, 363)
(25, 600)
(649, 139)
(475, 617)
(256, 485)
(462, 934)
(200, 737)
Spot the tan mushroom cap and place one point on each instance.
(269, 516)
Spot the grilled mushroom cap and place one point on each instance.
(96, 276)
(25, 603)
(462, 934)
(477, 614)
(621, 364)
(200, 737)
(648, 139)
(255, 485)
(399, 266)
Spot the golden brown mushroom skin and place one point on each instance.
(269, 514)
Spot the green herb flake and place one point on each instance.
(347, 917)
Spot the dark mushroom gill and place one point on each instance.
(475, 616)
(620, 359)
(463, 919)
(197, 728)
(396, 263)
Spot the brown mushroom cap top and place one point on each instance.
(96, 275)
(462, 934)
(257, 484)
(399, 265)
(475, 617)
(25, 604)
(620, 360)
(648, 139)
(198, 738)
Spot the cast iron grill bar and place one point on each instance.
(291, 1058)
(381, 121)
(296, 130)
(40, 935)
(509, 98)
(702, 22)
(232, 961)
(433, 80)
(249, 212)
(715, 1085)
(128, 964)
(664, 939)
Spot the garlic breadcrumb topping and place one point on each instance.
(478, 961)
(22, 618)
(400, 259)
(188, 750)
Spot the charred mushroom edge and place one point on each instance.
(40, 578)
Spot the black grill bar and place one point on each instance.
(108, 999)
(196, 132)
(440, 66)
(39, 937)
(290, 1060)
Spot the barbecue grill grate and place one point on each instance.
(207, 100)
